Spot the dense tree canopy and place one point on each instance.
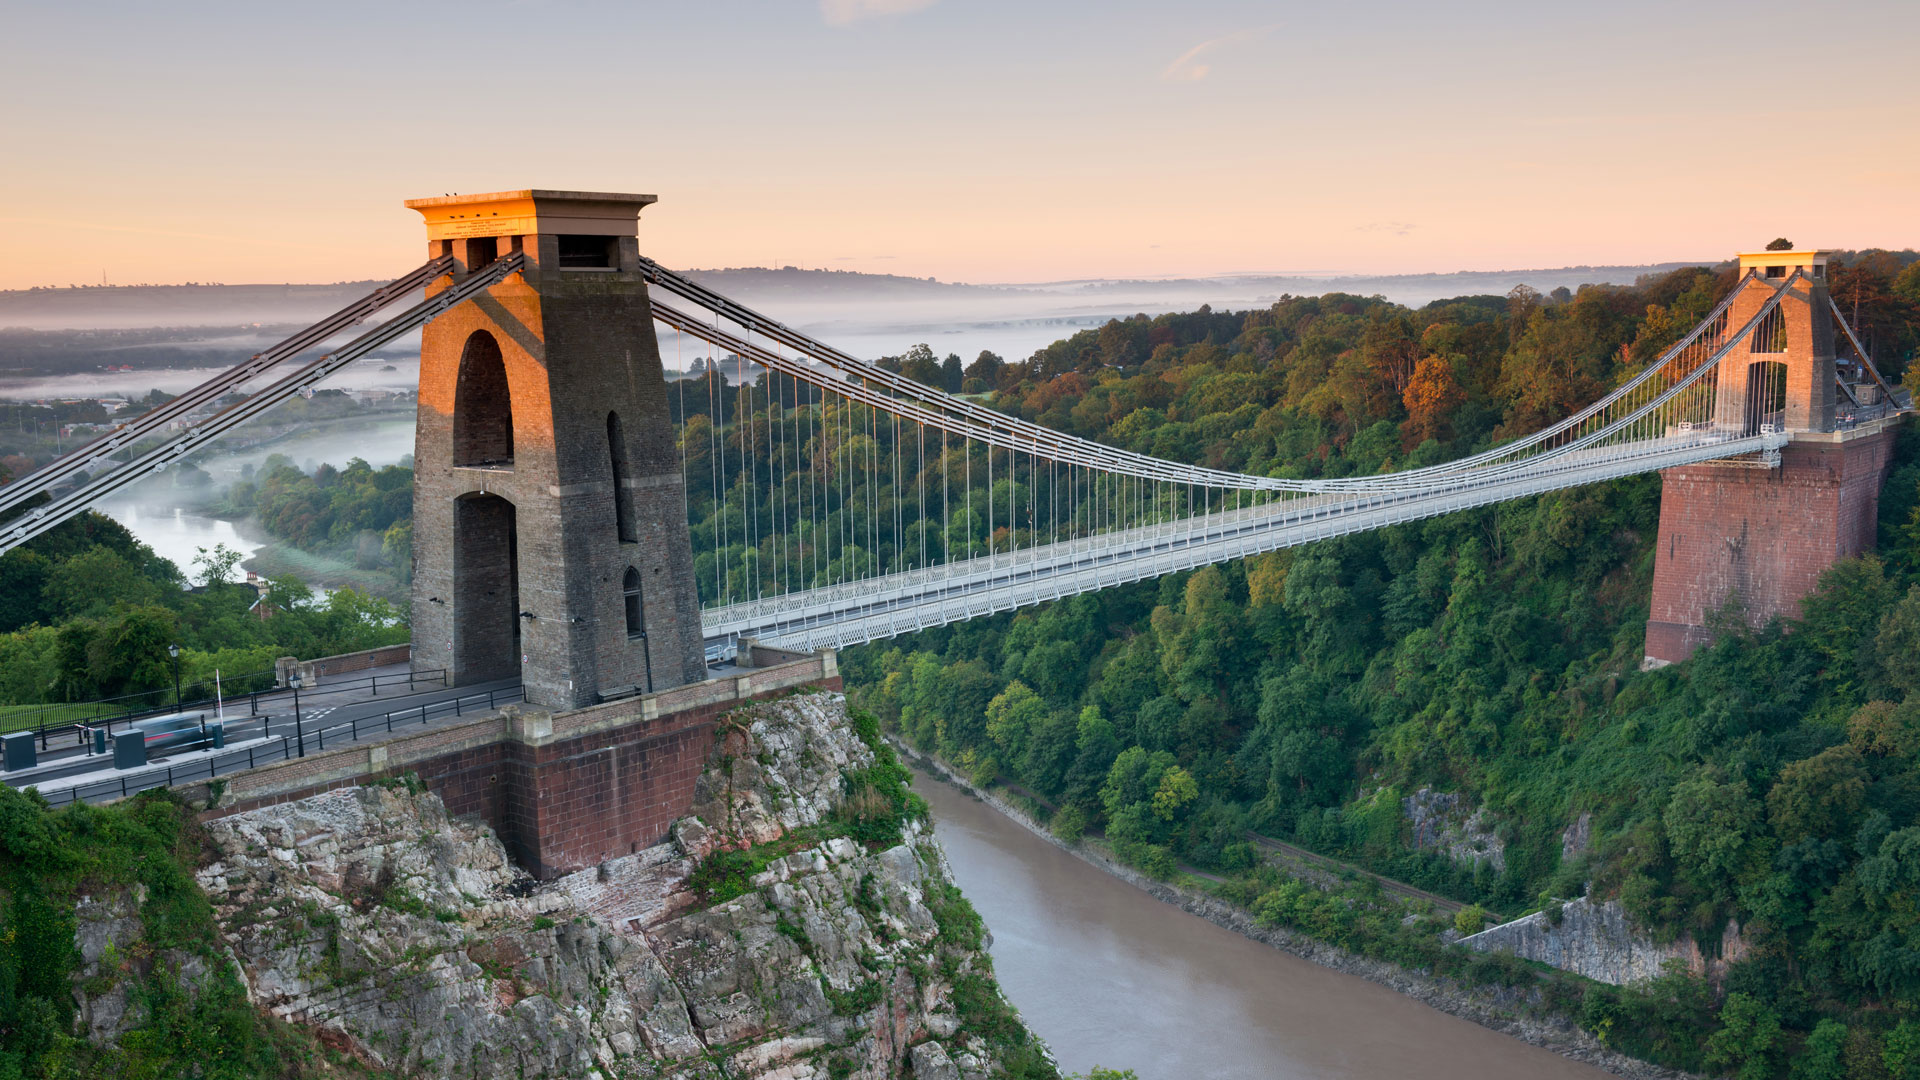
(1493, 653)
(86, 611)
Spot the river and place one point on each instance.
(1108, 975)
(178, 533)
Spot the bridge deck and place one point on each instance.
(903, 602)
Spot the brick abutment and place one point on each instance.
(1750, 543)
(564, 790)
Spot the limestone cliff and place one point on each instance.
(800, 926)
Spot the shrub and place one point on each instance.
(1070, 824)
(1470, 919)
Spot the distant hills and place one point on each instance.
(228, 306)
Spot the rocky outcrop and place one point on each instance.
(410, 940)
(1577, 837)
(1442, 820)
(1600, 942)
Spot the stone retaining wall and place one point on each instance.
(361, 661)
(564, 791)
(1599, 941)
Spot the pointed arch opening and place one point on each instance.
(622, 496)
(486, 589)
(630, 589)
(482, 406)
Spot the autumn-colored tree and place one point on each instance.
(1391, 349)
(1431, 396)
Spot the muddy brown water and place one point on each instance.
(1108, 975)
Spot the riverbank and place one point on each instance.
(277, 558)
(1519, 1012)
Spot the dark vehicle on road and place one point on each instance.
(180, 731)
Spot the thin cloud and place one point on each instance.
(842, 12)
(1190, 66)
(132, 230)
(1397, 228)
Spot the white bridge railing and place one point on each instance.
(900, 603)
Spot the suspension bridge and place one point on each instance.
(601, 530)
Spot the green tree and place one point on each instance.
(1749, 1040)
(1177, 789)
(216, 567)
(1012, 718)
(1822, 1056)
(1470, 920)
(1898, 643)
(1715, 832)
(1819, 796)
(92, 582)
(1902, 1054)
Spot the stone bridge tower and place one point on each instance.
(549, 528)
(1739, 534)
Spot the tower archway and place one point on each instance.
(632, 594)
(486, 593)
(482, 405)
(1766, 395)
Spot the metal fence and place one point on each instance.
(286, 745)
(53, 724)
(52, 716)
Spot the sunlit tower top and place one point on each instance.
(1783, 374)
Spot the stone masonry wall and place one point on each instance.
(361, 661)
(1599, 942)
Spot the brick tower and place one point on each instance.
(1754, 537)
(549, 529)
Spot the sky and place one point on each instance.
(970, 140)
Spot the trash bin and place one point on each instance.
(99, 740)
(219, 735)
(20, 752)
(130, 749)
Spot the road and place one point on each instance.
(1335, 866)
(361, 708)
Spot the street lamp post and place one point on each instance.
(174, 651)
(299, 733)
